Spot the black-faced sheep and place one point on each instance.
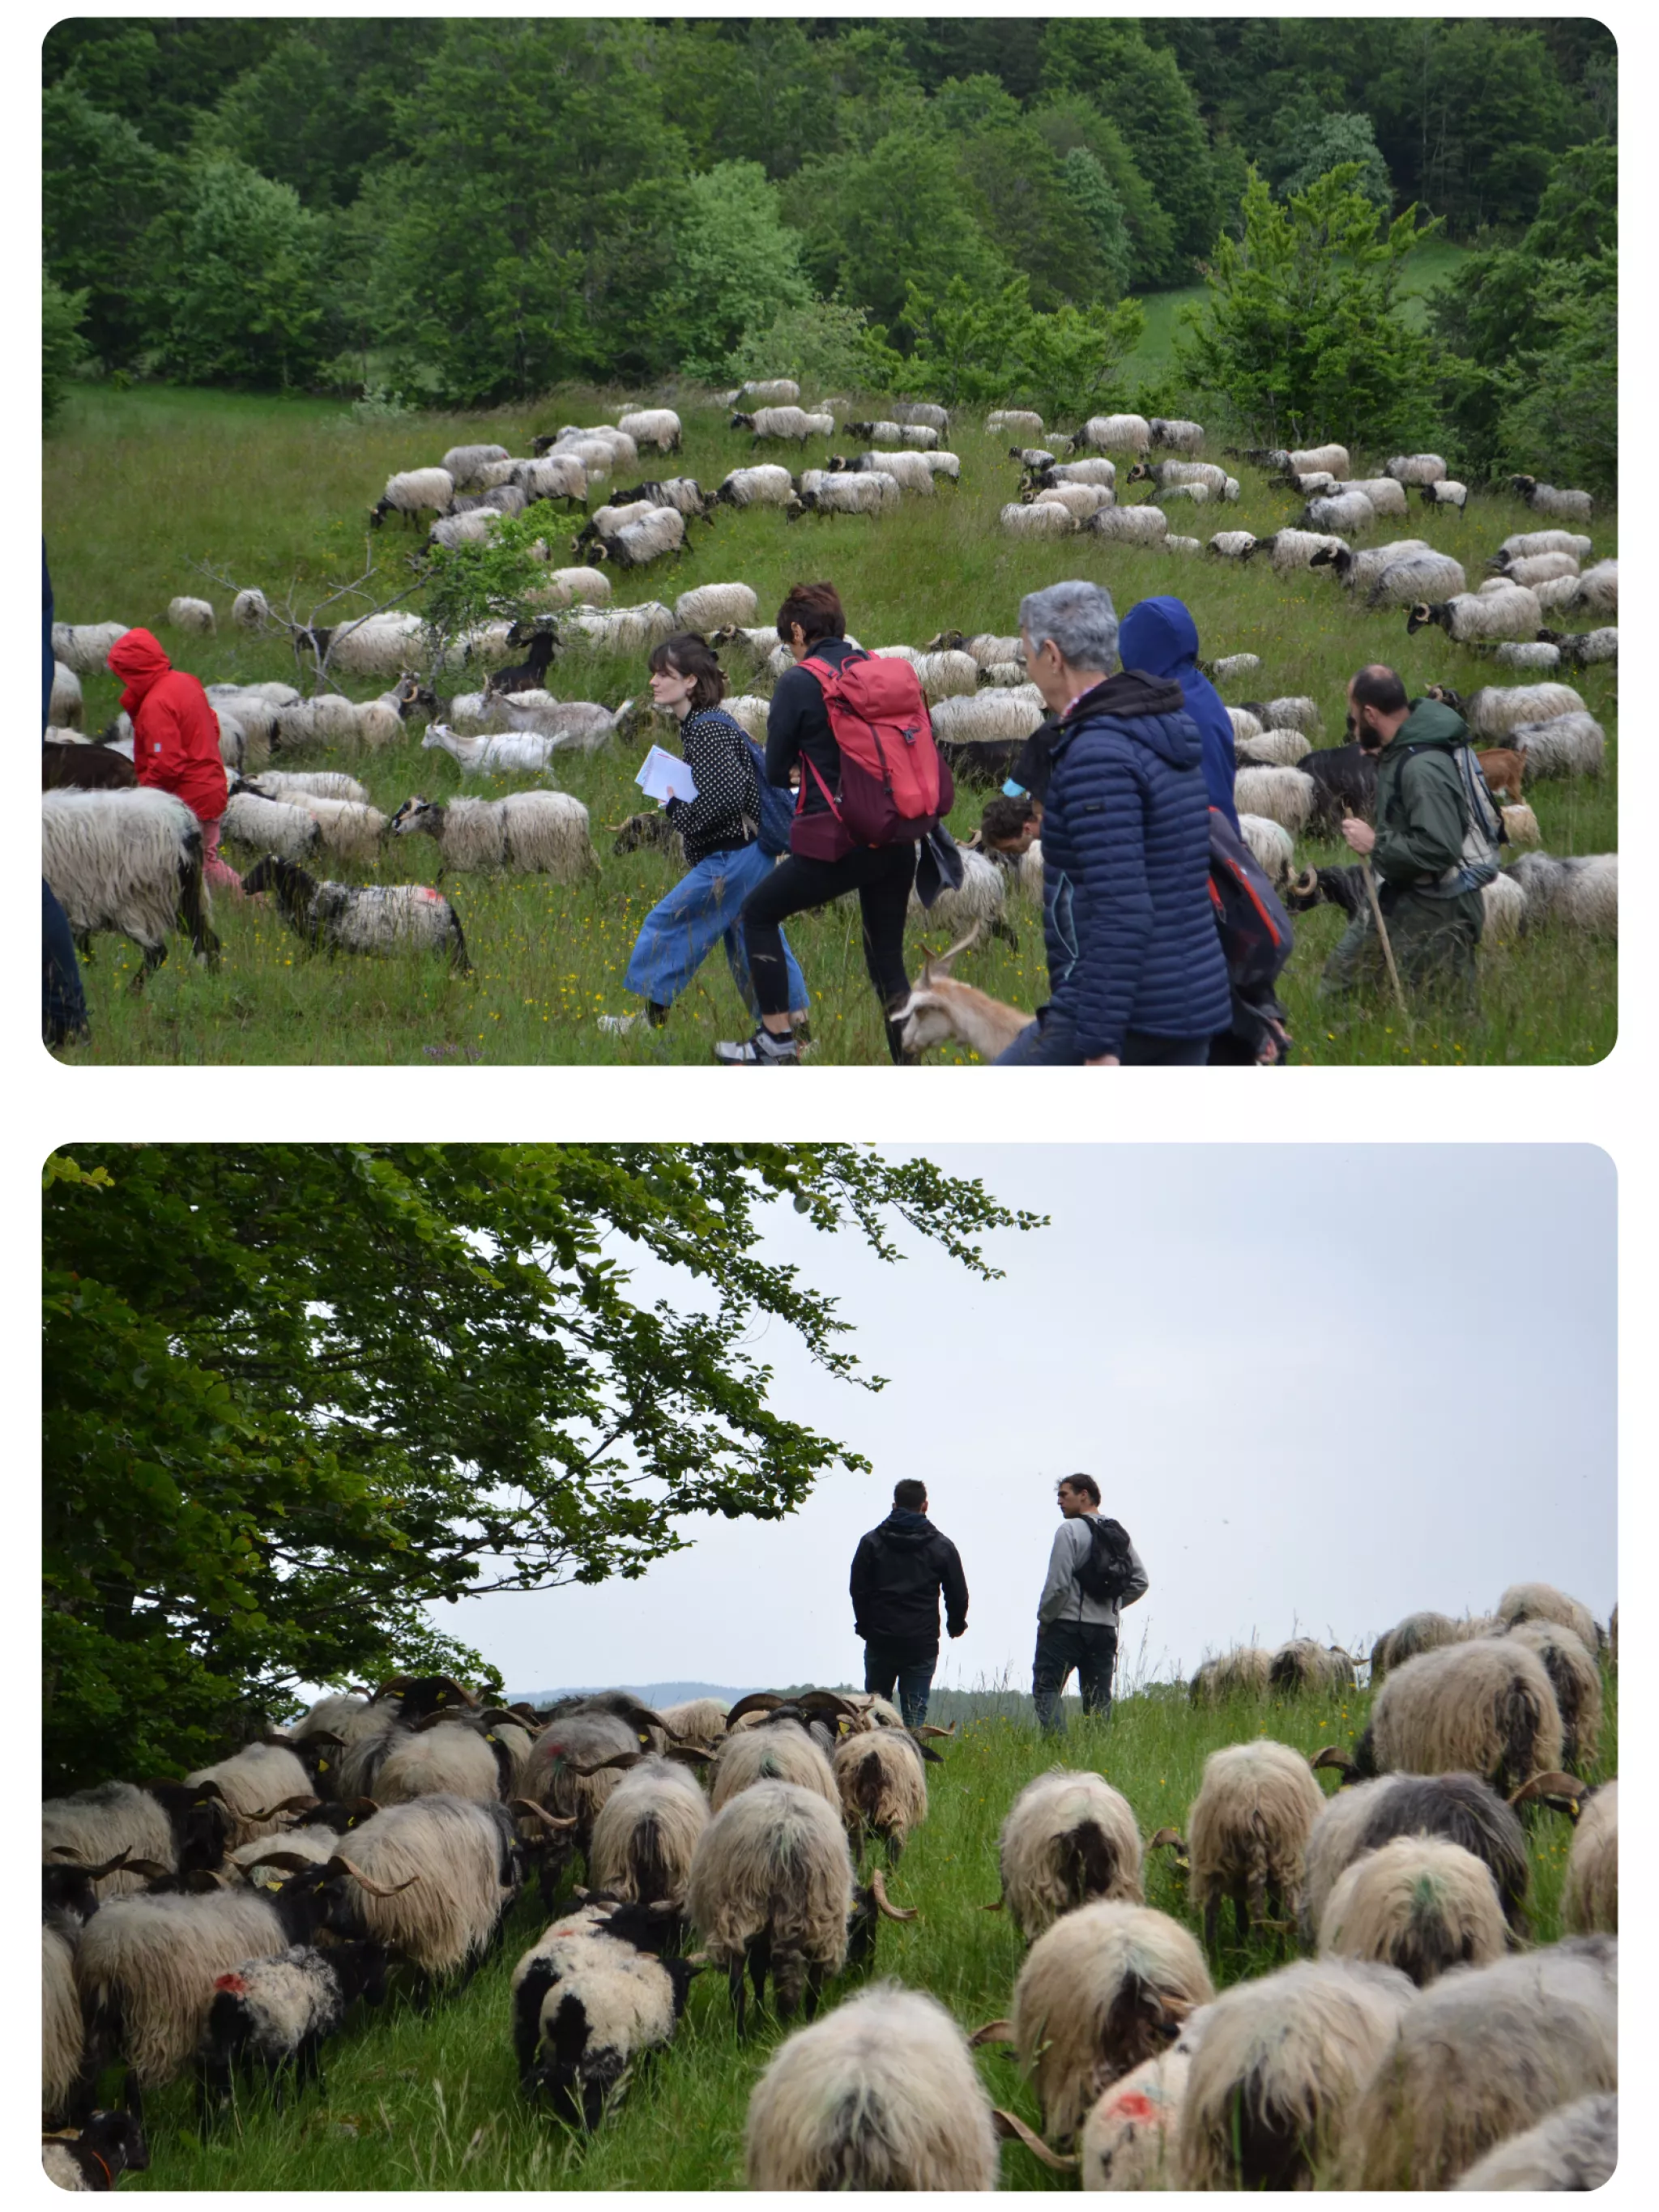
(186, 1830)
(1338, 514)
(1289, 550)
(95, 2156)
(766, 484)
(1279, 2069)
(1467, 617)
(1069, 1838)
(413, 492)
(1447, 492)
(271, 2013)
(1484, 2053)
(606, 2002)
(1106, 1987)
(1459, 1808)
(1248, 1831)
(129, 861)
(882, 2094)
(1418, 1903)
(1127, 525)
(371, 918)
(909, 472)
(883, 1786)
(1545, 499)
(535, 832)
(1129, 2138)
(1575, 2148)
(785, 423)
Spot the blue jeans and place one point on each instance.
(911, 1667)
(1092, 1648)
(680, 931)
(1051, 1042)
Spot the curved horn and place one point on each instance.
(1001, 1905)
(931, 1728)
(1333, 1755)
(501, 1716)
(343, 1865)
(618, 1758)
(757, 1701)
(692, 1754)
(1306, 884)
(446, 1716)
(1166, 1836)
(994, 2031)
(942, 965)
(1549, 1788)
(287, 1805)
(547, 1819)
(291, 1862)
(391, 1687)
(151, 1869)
(878, 1891)
(1011, 2128)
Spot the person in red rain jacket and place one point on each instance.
(175, 740)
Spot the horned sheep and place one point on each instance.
(1415, 468)
(1289, 550)
(1347, 510)
(1486, 1707)
(463, 463)
(1279, 2069)
(1044, 518)
(1589, 1896)
(883, 1786)
(96, 2155)
(1175, 436)
(1575, 2148)
(1124, 433)
(909, 472)
(1511, 611)
(779, 1750)
(412, 492)
(270, 824)
(251, 1783)
(1580, 891)
(271, 2013)
(653, 426)
(1333, 458)
(1459, 1808)
(1285, 795)
(1577, 1680)
(1482, 2055)
(1098, 472)
(647, 1833)
(782, 422)
(129, 861)
(1069, 1838)
(821, 492)
(1417, 1631)
(1101, 1990)
(1079, 501)
(1130, 525)
(570, 1771)
(448, 1760)
(362, 918)
(1419, 1902)
(919, 437)
(63, 2037)
(1446, 493)
(882, 2094)
(1566, 744)
(1164, 475)
(1248, 1831)
(1542, 1601)
(443, 1873)
(608, 2002)
(1129, 2138)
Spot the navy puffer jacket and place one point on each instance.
(1131, 931)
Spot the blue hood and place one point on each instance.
(1160, 637)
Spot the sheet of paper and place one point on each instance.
(664, 776)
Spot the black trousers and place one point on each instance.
(908, 1665)
(1089, 1647)
(881, 879)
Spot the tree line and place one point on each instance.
(474, 210)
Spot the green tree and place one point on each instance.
(826, 346)
(1102, 216)
(738, 264)
(966, 347)
(103, 186)
(294, 1394)
(239, 283)
(1019, 192)
(62, 346)
(1327, 142)
(1299, 333)
(494, 579)
(1070, 360)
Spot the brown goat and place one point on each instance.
(1503, 771)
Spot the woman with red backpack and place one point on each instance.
(851, 733)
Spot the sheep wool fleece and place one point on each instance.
(175, 732)
(1130, 930)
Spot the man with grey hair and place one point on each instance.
(1136, 974)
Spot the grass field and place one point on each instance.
(432, 2102)
(142, 484)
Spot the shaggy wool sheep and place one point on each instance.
(250, 610)
(1247, 1832)
(443, 1867)
(658, 534)
(1459, 1808)
(1274, 748)
(95, 2156)
(1357, 572)
(823, 493)
(62, 2037)
(570, 1771)
(463, 463)
(772, 390)
(1418, 1903)
(1233, 545)
(360, 918)
(771, 1889)
(1446, 493)
(1123, 434)
(1244, 1671)
(1577, 1680)
(1176, 436)
(767, 484)
(1285, 795)
(1467, 617)
(270, 825)
(1129, 525)
(270, 2013)
(1079, 501)
(1129, 2138)
(535, 832)
(1385, 494)
(779, 1751)
(646, 1834)
(1575, 2148)
(979, 900)
(882, 2094)
(254, 1784)
(1164, 475)
(1281, 2063)
(195, 615)
(1497, 710)
(1104, 1988)
(1545, 499)
(1288, 549)
(183, 1830)
(1344, 511)
(1417, 1631)
(1542, 1601)
(1486, 1707)
(653, 426)
(1100, 473)
(451, 1760)
(1014, 418)
(1589, 1896)
(85, 646)
(412, 492)
(712, 604)
(909, 472)
(68, 708)
(608, 2003)
(883, 1786)
(1303, 1665)
(129, 861)
(1480, 2056)
(1415, 468)
(1044, 518)
(1567, 745)
(1332, 459)
(1069, 1837)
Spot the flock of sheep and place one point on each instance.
(118, 863)
(225, 1924)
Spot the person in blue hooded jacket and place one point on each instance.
(1135, 969)
(1160, 638)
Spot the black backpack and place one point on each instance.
(1107, 1572)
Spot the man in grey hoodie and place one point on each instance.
(1076, 1629)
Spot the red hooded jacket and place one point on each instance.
(175, 732)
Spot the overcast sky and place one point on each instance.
(1321, 1386)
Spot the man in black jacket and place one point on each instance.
(898, 1571)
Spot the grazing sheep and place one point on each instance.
(1285, 795)
(1244, 1671)
(1302, 1665)
(535, 832)
(1446, 493)
(918, 411)
(782, 422)
(1407, 581)
(607, 2002)
(909, 472)
(883, 1786)
(1525, 542)
(1459, 1808)
(273, 2013)
(561, 1945)
(250, 610)
(1069, 1838)
(565, 475)
(1417, 1631)
(1044, 518)
(1504, 910)
(1595, 592)
(1167, 475)
(1357, 572)
(1386, 497)
(195, 615)
(1234, 545)
(1486, 1707)
(653, 426)
(379, 645)
(698, 1720)
(412, 492)
(980, 900)
(1332, 459)
(449, 1760)
(767, 484)
(1545, 499)
(1536, 659)
(1279, 2069)
(1288, 549)
(1079, 501)
(95, 2156)
(1567, 745)
(368, 918)
(1248, 1830)
(941, 464)
(1577, 1681)
(823, 493)
(1585, 649)
(129, 861)
(463, 463)
(1344, 511)
(1575, 2148)
(254, 1783)
(712, 604)
(1533, 568)
(1176, 436)
(1014, 418)
(1128, 2140)
(1130, 525)
(1589, 1896)
(68, 708)
(1196, 494)
(1482, 2055)
(780, 391)
(1104, 1988)
(1124, 433)
(85, 646)
(656, 535)
(569, 1771)
(1274, 748)
(781, 1751)
(442, 1867)
(882, 2094)
(1415, 468)
(646, 1834)
(164, 1823)
(1317, 483)
(919, 437)
(270, 825)
(1509, 611)
(771, 1889)
(1520, 825)
(1418, 1903)
(1497, 710)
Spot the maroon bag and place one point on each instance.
(893, 788)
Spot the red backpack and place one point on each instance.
(894, 788)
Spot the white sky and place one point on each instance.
(1322, 1387)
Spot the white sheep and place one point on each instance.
(941, 675)
(1233, 666)
(542, 832)
(1271, 843)
(785, 423)
(1415, 468)
(368, 918)
(1545, 499)
(630, 630)
(1247, 1831)
(351, 828)
(1176, 436)
(415, 491)
(1567, 745)
(980, 898)
(1575, 1677)
(250, 610)
(1535, 659)
(1130, 525)
(1332, 459)
(769, 484)
(1524, 542)
(271, 825)
(1575, 2148)
(1233, 545)
(1285, 795)
(579, 587)
(1497, 710)
(1446, 493)
(909, 472)
(941, 464)
(1485, 1708)
(1589, 1895)
(1580, 891)
(1348, 510)
(1079, 501)
(129, 861)
(563, 474)
(771, 390)
(473, 528)
(463, 463)
(68, 706)
(653, 426)
(1420, 1903)
(1386, 497)
(712, 604)
(1014, 418)
(1123, 434)
(993, 716)
(1164, 475)
(1289, 548)
(196, 616)
(823, 492)
(85, 646)
(1043, 520)
(1182, 545)
(1069, 1837)
(1536, 567)
(380, 645)
(1192, 494)
(1510, 610)
(1274, 748)
(1094, 470)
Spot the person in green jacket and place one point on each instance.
(1416, 848)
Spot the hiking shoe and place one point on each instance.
(761, 1050)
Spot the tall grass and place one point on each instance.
(142, 484)
(432, 2102)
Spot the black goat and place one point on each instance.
(1345, 782)
(981, 763)
(84, 767)
(531, 674)
(1343, 887)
